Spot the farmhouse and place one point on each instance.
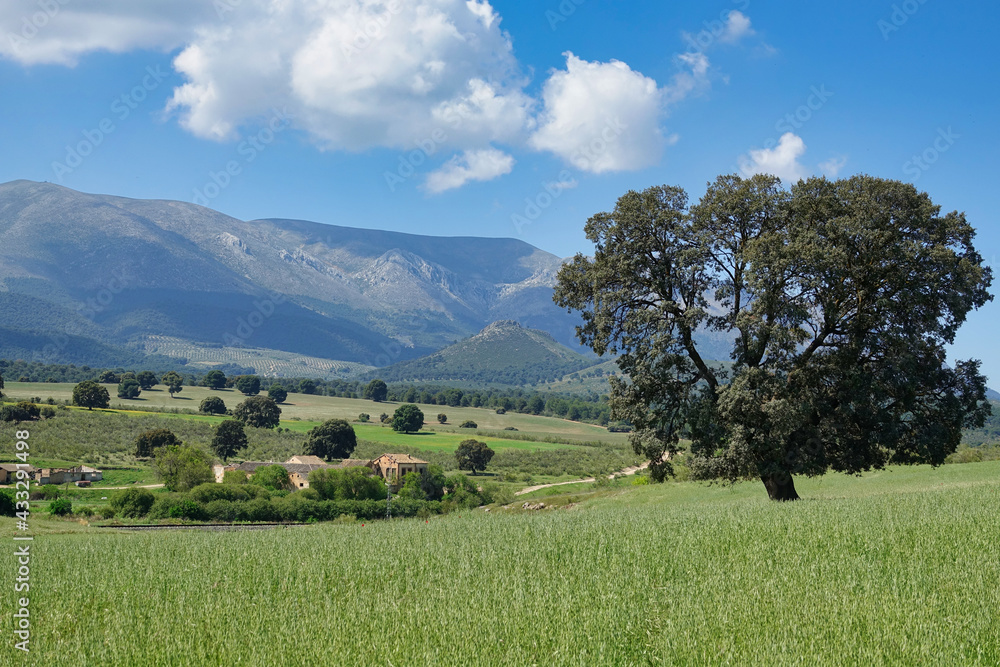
(8, 472)
(393, 467)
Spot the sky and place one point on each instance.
(502, 119)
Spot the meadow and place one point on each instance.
(895, 567)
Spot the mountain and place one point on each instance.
(503, 353)
(99, 279)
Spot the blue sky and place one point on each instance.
(512, 119)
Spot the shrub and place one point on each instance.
(364, 417)
(234, 477)
(132, 503)
(7, 504)
(187, 509)
(212, 405)
(260, 510)
(509, 428)
(222, 510)
(468, 424)
(107, 512)
(272, 477)
(496, 493)
(501, 411)
(442, 418)
(209, 492)
(60, 507)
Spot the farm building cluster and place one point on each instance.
(390, 467)
(79, 475)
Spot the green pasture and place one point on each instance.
(897, 567)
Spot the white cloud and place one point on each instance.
(359, 74)
(601, 117)
(737, 27)
(832, 166)
(781, 161)
(479, 165)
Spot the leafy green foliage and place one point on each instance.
(258, 411)
(21, 411)
(248, 385)
(442, 418)
(333, 439)
(229, 439)
(8, 505)
(147, 442)
(146, 380)
(214, 379)
(61, 507)
(129, 388)
(377, 390)
(468, 423)
(234, 477)
(109, 377)
(212, 405)
(277, 393)
(273, 478)
(183, 467)
(88, 394)
(407, 418)
(473, 455)
(840, 298)
(132, 503)
(355, 483)
(307, 387)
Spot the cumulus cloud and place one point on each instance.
(832, 166)
(781, 161)
(359, 74)
(479, 165)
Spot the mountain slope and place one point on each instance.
(502, 353)
(120, 272)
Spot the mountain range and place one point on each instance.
(106, 281)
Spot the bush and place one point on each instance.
(222, 510)
(496, 493)
(7, 504)
(501, 411)
(209, 492)
(107, 512)
(260, 510)
(442, 418)
(364, 417)
(234, 477)
(212, 405)
(132, 503)
(509, 428)
(468, 424)
(60, 507)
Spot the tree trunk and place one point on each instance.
(780, 486)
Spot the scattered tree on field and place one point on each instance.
(333, 439)
(277, 392)
(377, 391)
(183, 467)
(442, 418)
(364, 417)
(258, 411)
(109, 377)
(468, 423)
(129, 388)
(214, 379)
(248, 385)
(229, 439)
(88, 394)
(407, 418)
(212, 405)
(307, 387)
(146, 380)
(147, 442)
(840, 297)
(473, 455)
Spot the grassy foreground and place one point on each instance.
(899, 567)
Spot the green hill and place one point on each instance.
(503, 353)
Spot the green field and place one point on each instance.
(310, 407)
(896, 567)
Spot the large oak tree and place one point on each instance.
(838, 297)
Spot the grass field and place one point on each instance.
(897, 567)
(309, 407)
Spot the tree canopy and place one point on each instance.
(214, 379)
(333, 439)
(146, 380)
(183, 467)
(248, 385)
(259, 411)
(88, 394)
(212, 405)
(838, 298)
(277, 392)
(129, 388)
(473, 455)
(377, 390)
(407, 418)
(147, 442)
(229, 439)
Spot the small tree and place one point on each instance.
(473, 455)
(358, 483)
(212, 405)
(234, 477)
(468, 423)
(273, 477)
(129, 389)
(132, 503)
(364, 417)
(173, 381)
(442, 418)
(258, 411)
(61, 507)
(146, 380)
(248, 385)
(88, 394)
(333, 439)
(214, 379)
(229, 439)
(147, 442)
(407, 419)
(109, 377)
(377, 391)
(183, 467)
(307, 387)
(277, 392)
